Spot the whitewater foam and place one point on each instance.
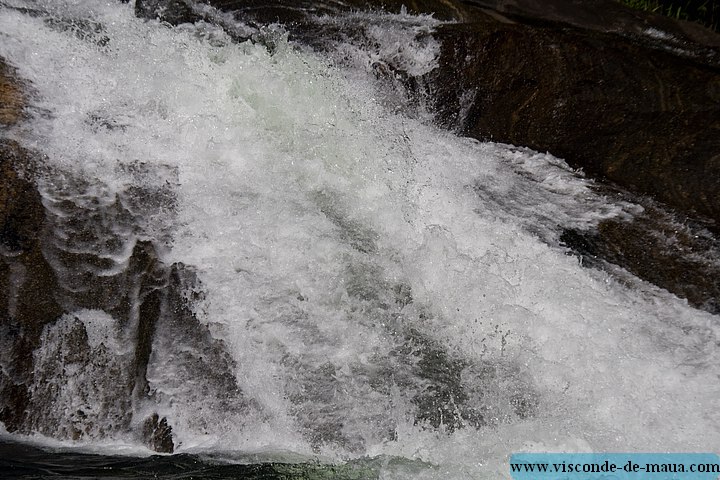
(384, 287)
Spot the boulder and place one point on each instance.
(598, 15)
(664, 248)
(642, 117)
(25, 276)
(158, 434)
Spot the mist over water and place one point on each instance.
(380, 287)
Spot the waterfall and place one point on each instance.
(281, 255)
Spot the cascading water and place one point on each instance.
(366, 285)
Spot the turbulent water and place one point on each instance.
(381, 288)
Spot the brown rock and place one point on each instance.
(157, 434)
(599, 15)
(664, 248)
(288, 11)
(642, 117)
(27, 282)
(12, 100)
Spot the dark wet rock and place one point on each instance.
(152, 278)
(112, 357)
(288, 12)
(204, 371)
(11, 93)
(646, 119)
(85, 30)
(599, 15)
(158, 434)
(300, 18)
(25, 281)
(84, 298)
(74, 306)
(81, 383)
(173, 12)
(94, 240)
(659, 246)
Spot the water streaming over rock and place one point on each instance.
(273, 252)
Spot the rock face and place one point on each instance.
(598, 15)
(297, 12)
(85, 300)
(25, 279)
(664, 248)
(642, 117)
(25, 275)
(12, 96)
(628, 97)
(158, 434)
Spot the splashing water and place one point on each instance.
(383, 288)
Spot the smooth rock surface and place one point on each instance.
(641, 117)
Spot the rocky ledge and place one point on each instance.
(80, 319)
(623, 109)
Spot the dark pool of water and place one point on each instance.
(24, 461)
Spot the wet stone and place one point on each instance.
(659, 245)
(157, 434)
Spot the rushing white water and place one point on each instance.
(355, 261)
